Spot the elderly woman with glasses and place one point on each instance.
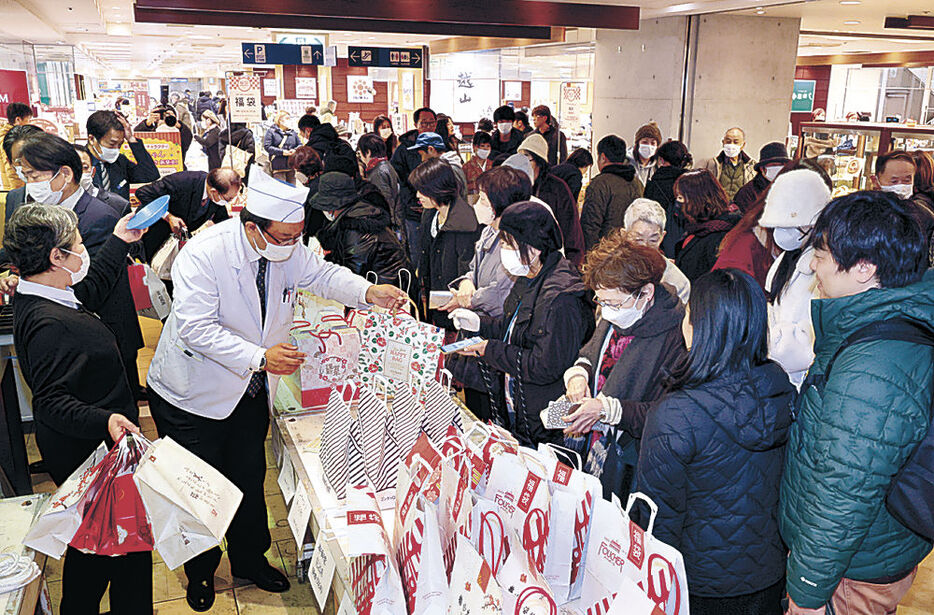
(620, 371)
(71, 361)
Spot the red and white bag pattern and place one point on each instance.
(331, 362)
(421, 561)
(374, 579)
(474, 590)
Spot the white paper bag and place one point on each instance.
(59, 519)
(377, 586)
(473, 589)
(573, 494)
(522, 494)
(189, 503)
(421, 562)
(525, 590)
(454, 506)
(488, 532)
(618, 548)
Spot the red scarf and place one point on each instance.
(373, 162)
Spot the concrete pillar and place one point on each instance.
(740, 72)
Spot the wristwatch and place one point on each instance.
(262, 363)
(602, 414)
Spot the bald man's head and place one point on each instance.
(223, 184)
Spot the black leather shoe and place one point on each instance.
(264, 577)
(200, 594)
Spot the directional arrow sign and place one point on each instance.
(388, 57)
(281, 53)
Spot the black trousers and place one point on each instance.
(235, 447)
(85, 578)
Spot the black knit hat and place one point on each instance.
(772, 153)
(532, 224)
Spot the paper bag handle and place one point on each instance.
(444, 372)
(563, 449)
(653, 507)
(406, 286)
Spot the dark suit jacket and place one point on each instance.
(186, 191)
(122, 172)
(96, 221)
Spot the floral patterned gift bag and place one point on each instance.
(400, 348)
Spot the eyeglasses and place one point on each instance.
(282, 242)
(618, 304)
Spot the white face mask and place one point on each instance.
(902, 191)
(275, 253)
(87, 181)
(484, 211)
(109, 154)
(732, 150)
(19, 174)
(788, 238)
(512, 263)
(385, 133)
(483, 154)
(647, 150)
(42, 193)
(771, 172)
(622, 317)
(504, 127)
(77, 276)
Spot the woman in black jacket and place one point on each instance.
(712, 452)
(546, 318)
(673, 160)
(448, 231)
(708, 216)
(357, 234)
(70, 360)
(621, 370)
(572, 171)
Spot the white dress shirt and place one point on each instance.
(64, 297)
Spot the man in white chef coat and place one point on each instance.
(215, 370)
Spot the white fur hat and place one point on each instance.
(795, 199)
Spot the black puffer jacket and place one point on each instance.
(404, 162)
(711, 460)
(661, 188)
(360, 239)
(325, 141)
(553, 317)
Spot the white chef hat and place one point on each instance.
(274, 200)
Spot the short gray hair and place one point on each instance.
(34, 231)
(648, 211)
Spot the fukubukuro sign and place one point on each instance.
(245, 102)
(14, 87)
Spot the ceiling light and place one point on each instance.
(851, 22)
(850, 2)
(760, 11)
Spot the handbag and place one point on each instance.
(150, 296)
(237, 159)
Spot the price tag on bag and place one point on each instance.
(299, 515)
(287, 478)
(321, 569)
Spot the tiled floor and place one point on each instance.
(237, 598)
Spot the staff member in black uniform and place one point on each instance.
(106, 132)
(71, 362)
(195, 198)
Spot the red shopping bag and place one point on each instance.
(115, 521)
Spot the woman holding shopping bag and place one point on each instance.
(620, 372)
(546, 318)
(81, 396)
(712, 451)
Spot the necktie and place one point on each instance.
(105, 178)
(258, 380)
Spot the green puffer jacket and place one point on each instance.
(847, 444)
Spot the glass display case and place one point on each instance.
(848, 150)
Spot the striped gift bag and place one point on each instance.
(335, 438)
(407, 414)
(440, 411)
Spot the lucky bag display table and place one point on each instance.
(296, 441)
(16, 517)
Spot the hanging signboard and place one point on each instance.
(802, 98)
(281, 53)
(387, 57)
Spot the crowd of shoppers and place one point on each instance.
(736, 344)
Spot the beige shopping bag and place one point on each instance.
(190, 504)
